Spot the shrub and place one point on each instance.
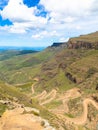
(91, 71)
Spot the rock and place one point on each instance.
(97, 87)
(57, 44)
(80, 44)
(29, 109)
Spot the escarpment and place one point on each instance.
(89, 41)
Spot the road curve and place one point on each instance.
(82, 119)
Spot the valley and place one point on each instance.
(58, 85)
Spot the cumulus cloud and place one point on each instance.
(22, 16)
(17, 11)
(68, 7)
(67, 10)
(63, 39)
(62, 17)
(45, 33)
(40, 35)
(72, 15)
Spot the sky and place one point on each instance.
(42, 22)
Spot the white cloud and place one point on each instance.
(23, 18)
(65, 18)
(67, 11)
(40, 35)
(17, 11)
(45, 33)
(68, 7)
(4, 28)
(17, 28)
(63, 39)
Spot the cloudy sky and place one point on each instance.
(42, 22)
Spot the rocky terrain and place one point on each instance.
(20, 119)
(89, 41)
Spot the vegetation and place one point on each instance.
(56, 68)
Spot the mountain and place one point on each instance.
(61, 82)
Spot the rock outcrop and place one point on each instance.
(19, 119)
(59, 44)
(89, 41)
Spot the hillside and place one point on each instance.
(20, 66)
(61, 82)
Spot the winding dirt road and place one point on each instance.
(70, 94)
(82, 119)
(48, 98)
(42, 95)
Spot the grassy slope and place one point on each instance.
(93, 37)
(86, 69)
(53, 72)
(22, 68)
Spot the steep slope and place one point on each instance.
(53, 72)
(71, 67)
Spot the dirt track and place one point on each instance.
(82, 119)
(32, 87)
(42, 95)
(70, 94)
(49, 97)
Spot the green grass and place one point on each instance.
(53, 104)
(69, 115)
(93, 37)
(25, 87)
(16, 69)
(59, 82)
(2, 108)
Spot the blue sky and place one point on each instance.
(42, 22)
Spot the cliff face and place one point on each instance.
(82, 44)
(89, 41)
(56, 44)
(59, 44)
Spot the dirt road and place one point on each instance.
(49, 97)
(82, 119)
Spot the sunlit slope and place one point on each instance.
(22, 67)
(54, 73)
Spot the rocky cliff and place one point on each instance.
(89, 41)
(59, 44)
